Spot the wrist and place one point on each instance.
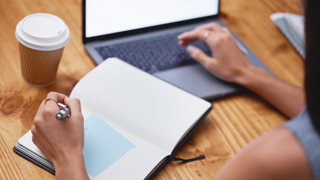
(70, 166)
(66, 158)
(250, 76)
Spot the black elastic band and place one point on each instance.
(187, 160)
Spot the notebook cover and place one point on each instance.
(18, 148)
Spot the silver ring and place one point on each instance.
(49, 98)
(206, 35)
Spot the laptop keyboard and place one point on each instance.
(153, 54)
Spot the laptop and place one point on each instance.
(144, 34)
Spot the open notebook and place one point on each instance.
(155, 116)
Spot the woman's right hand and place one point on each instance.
(227, 61)
(61, 141)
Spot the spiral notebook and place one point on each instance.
(150, 117)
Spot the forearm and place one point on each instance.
(71, 167)
(288, 98)
(274, 155)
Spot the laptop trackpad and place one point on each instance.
(197, 80)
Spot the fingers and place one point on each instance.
(51, 105)
(75, 107)
(191, 36)
(187, 37)
(198, 33)
(226, 30)
(199, 55)
(57, 96)
(73, 103)
(210, 27)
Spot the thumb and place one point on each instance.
(198, 55)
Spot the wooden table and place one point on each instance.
(232, 123)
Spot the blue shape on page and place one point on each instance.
(103, 145)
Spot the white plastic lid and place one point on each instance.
(44, 32)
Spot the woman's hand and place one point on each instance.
(230, 64)
(227, 61)
(62, 141)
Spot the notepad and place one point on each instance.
(138, 109)
(103, 145)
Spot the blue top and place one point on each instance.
(302, 127)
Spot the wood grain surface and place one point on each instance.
(232, 123)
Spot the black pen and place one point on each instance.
(64, 112)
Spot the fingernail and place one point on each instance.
(192, 50)
(179, 37)
(180, 42)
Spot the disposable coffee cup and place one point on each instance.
(42, 38)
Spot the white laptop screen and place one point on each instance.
(105, 17)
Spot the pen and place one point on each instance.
(64, 112)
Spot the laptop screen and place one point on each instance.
(105, 17)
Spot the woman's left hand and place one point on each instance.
(227, 61)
